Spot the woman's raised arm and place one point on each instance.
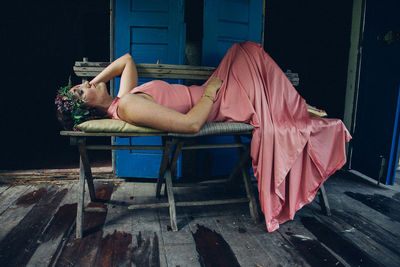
(124, 67)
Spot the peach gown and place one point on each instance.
(292, 153)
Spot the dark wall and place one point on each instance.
(312, 38)
(41, 40)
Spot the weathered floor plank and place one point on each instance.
(148, 243)
(383, 204)
(208, 241)
(82, 252)
(4, 188)
(341, 201)
(308, 246)
(118, 216)
(9, 196)
(182, 255)
(14, 211)
(370, 229)
(348, 241)
(116, 243)
(246, 249)
(279, 250)
(20, 243)
(58, 229)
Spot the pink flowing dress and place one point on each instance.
(292, 153)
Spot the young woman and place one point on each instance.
(292, 153)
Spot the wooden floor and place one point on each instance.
(37, 229)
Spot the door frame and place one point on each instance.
(112, 82)
(353, 71)
(352, 95)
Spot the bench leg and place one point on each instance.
(81, 201)
(171, 199)
(174, 160)
(233, 176)
(323, 201)
(250, 195)
(87, 172)
(163, 166)
(242, 166)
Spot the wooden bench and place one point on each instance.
(172, 145)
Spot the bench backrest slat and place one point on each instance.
(157, 71)
(86, 69)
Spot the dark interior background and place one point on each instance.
(312, 38)
(41, 40)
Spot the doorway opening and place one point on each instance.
(312, 38)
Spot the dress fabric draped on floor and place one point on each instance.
(292, 153)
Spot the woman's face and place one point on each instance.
(90, 93)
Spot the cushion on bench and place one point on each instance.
(113, 126)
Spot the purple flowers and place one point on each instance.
(69, 105)
(63, 104)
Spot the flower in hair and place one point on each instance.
(72, 106)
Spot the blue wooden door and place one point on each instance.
(149, 30)
(225, 23)
(376, 134)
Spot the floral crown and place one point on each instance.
(68, 104)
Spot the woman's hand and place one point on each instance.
(213, 86)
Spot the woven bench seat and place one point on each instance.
(219, 128)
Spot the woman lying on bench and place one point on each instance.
(169, 112)
(292, 153)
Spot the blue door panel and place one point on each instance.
(225, 23)
(149, 30)
(149, 53)
(152, 5)
(150, 19)
(149, 35)
(229, 31)
(256, 21)
(148, 163)
(233, 10)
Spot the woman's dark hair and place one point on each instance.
(68, 124)
(65, 120)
